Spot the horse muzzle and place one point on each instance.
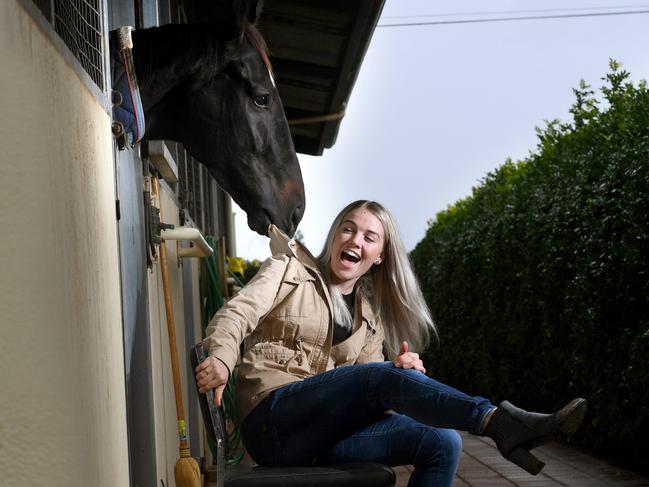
(287, 221)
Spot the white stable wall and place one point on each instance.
(62, 400)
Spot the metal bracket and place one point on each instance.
(157, 226)
(121, 137)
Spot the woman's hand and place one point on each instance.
(211, 373)
(409, 360)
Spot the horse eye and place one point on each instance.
(261, 101)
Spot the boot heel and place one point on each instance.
(525, 460)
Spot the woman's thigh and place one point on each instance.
(300, 420)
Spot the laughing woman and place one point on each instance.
(314, 386)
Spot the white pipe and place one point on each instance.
(200, 247)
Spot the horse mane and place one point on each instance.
(160, 47)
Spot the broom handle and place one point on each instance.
(171, 330)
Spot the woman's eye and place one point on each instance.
(261, 101)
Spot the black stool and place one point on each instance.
(342, 475)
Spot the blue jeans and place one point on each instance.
(342, 416)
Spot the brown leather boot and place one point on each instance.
(517, 431)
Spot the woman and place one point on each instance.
(313, 385)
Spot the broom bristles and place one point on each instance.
(187, 473)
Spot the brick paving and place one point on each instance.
(482, 466)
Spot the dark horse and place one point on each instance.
(210, 87)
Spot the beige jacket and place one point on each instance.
(284, 315)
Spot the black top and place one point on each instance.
(340, 332)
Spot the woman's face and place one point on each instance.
(358, 244)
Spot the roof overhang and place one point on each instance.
(317, 48)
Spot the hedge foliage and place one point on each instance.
(539, 281)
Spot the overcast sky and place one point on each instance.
(437, 107)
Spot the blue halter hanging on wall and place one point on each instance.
(128, 114)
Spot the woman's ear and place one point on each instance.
(379, 259)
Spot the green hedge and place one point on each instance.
(539, 281)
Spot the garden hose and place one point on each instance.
(236, 279)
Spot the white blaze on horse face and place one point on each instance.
(270, 75)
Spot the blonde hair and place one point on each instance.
(391, 287)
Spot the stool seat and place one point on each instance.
(343, 475)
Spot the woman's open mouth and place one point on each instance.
(350, 257)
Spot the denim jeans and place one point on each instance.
(366, 413)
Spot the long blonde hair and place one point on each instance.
(391, 287)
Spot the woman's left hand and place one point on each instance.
(409, 360)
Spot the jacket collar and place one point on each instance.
(280, 243)
(367, 313)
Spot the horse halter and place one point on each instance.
(128, 114)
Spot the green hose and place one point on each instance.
(211, 301)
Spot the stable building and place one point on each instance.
(87, 395)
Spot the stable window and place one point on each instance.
(78, 24)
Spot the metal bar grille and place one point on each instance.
(198, 192)
(78, 24)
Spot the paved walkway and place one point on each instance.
(482, 466)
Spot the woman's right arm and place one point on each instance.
(237, 319)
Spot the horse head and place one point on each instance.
(212, 89)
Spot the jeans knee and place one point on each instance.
(437, 458)
(440, 448)
(380, 374)
(387, 372)
(379, 366)
(452, 442)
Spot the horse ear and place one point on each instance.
(236, 13)
(240, 12)
(247, 11)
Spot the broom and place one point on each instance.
(186, 471)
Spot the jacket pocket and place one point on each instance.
(274, 353)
